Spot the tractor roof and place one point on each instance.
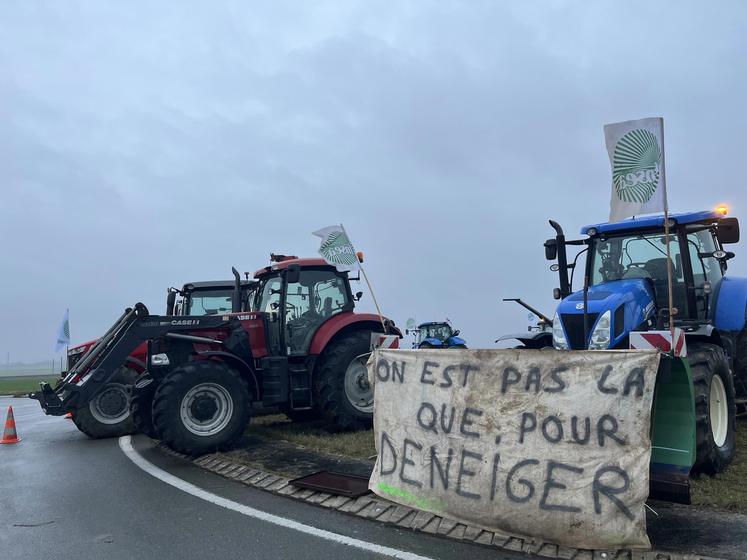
(228, 284)
(431, 323)
(303, 263)
(655, 221)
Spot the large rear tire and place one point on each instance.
(715, 408)
(201, 407)
(108, 413)
(343, 393)
(740, 364)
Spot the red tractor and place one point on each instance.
(299, 346)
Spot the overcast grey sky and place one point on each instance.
(145, 144)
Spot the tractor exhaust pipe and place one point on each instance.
(565, 286)
(236, 300)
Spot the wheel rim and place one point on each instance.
(718, 411)
(206, 409)
(357, 388)
(112, 405)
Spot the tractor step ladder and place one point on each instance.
(300, 388)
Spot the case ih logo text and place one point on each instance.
(185, 322)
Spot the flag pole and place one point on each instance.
(370, 289)
(666, 239)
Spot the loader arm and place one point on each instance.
(103, 360)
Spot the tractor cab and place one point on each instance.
(208, 298)
(437, 335)
(626, 277)
(298, 296)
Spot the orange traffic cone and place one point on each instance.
(10, 435)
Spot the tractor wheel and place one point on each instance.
(201, 407)
(343, 393)
(740, 364)
(108, 413)
(425, 346)
(458, 347)
(715, 409)
(141, 410)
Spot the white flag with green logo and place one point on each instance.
(337, 249)
(636, 151)
(63, 333)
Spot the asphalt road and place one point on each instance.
(63, 495)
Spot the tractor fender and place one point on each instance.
(244, 368)
(730, 310)
(345, 321)
(456, 340)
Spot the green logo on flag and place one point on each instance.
(338, 249)
(636, 166)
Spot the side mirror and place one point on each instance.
(358, 296)
(292, 274)
(727, 230)
(556, 293)
(455, 333)
(551, 249)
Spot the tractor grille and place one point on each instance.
(574, 328)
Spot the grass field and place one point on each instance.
(727, 491)
(21, 385)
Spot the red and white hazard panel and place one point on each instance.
(379, 340)
(661, 340)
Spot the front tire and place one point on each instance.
(108, 413)
(201, 407)
(343, 393)
(715, 408)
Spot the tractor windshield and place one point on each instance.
(209, 302)
(439, 331)
(640, 256)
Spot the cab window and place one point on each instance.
(317, 296)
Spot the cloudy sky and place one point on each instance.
(146, 144)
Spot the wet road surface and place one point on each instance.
(63, 495)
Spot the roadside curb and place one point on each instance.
(374, 508)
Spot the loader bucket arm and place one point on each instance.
(103, 360)
(672, 432)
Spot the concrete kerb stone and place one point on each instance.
(389, 513)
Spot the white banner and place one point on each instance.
(63, 332)
(337, 249)
(537, 443)
(636, 152)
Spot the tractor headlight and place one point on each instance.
(600, 336)
(159, 360)
(558, 335)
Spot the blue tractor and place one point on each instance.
(436, 335)
(625, 289)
